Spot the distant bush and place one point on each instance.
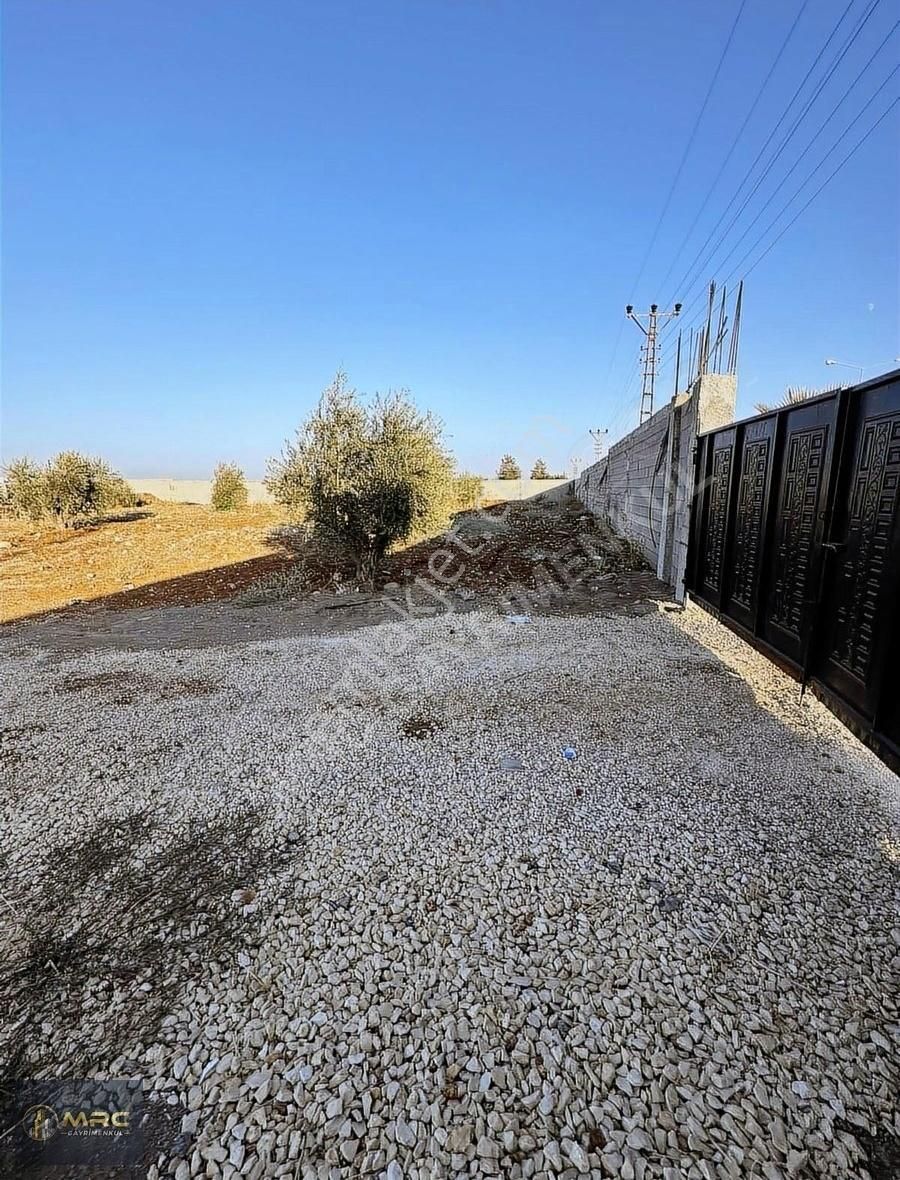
(509, 468)
(468, 490)
(540, 470)
(229, 488)
(68, 489)
(22, 492)
(366, 477)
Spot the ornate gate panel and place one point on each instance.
(751, 511)
(795, 541)
(795, 556)
(720, 460)
(864, 595)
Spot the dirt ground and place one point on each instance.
(127, 583)
(145, 550)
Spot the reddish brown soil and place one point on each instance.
(184, 555)
(168, 553)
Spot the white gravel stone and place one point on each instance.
(448, 969)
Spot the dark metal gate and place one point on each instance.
(795, 542)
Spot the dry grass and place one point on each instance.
(45, 568)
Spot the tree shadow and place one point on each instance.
(113, 518)
(513, 556)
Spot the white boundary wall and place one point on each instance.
(644, 485)
(193, 491)
(198, 491)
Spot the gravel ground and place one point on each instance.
(292, 886)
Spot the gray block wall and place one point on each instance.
(644, 485)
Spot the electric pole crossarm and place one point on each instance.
(598, 435)
(650, 349)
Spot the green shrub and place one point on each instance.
(68, 489)
(469, 489)
(540, 470)
(229, 488)
(509, 468)
(366, 477)
(22, 489)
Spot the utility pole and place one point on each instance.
(598, 436)
(650, 349)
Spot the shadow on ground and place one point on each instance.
(518, 558)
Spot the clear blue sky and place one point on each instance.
(210, 205)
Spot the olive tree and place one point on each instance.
(229, 488)
(509, 468)
(366, 476)
(68, 489)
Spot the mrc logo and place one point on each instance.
(42, 1123)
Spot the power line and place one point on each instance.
(693, 274)
(677, 177)
(689, 145)
(615, 351)
(859, 143)
(793, 167)
(805, 151)
(790, 134)
(804, 207)
(768, 167)
(681, 286)
(735, 141)
(627, 405)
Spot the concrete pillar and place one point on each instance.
(663, 565)
(711, 403)
(716, 395)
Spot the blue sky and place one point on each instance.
(209, 206)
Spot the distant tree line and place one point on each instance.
(366, 475)
(66, 490)
(509, 469)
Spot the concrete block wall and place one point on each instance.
(628, 486)
(194, 491)
(199, 491)
(519, 489)
(644, 484)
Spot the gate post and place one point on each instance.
(710, 403)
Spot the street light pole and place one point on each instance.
(846, 365)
